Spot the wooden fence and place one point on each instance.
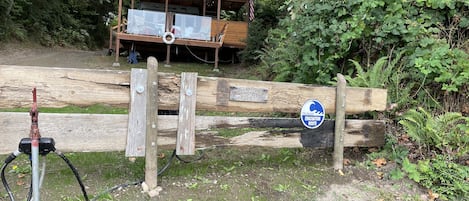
(59, 87)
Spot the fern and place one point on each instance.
(447, 133)
(378, 76)
(442, 176)
(414, 123)
(360, 80)
(411, 170)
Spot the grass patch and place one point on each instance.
(224, 70)
(233, 132)
(249, 172)
(248, 114)
(93, 109)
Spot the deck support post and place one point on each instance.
(168, 56)
(215, 68)
(204, 8)
(119, 22)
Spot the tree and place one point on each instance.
(65, 23)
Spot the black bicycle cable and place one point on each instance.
(5, 183)
(8, 160)
(161, 171)
(194, 160)
(75, 172)
(77, 176)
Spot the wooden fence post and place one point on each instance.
(338, 156)
(137, 113)
(185, 143)
(151, 159)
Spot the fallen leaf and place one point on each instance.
(20, 183)
(341, 173)
(432, 196)
(404, 138)
(379, 162)
(391, 106)
(161, 155)
(347, 162)
(373, 149)
(21, 175)
(380, 175)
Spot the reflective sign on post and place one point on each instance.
(312, 114)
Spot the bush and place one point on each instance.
(317, 39)
(446, 134)
(267, 13)
(448, 179)
(63, 23)
(442, 140)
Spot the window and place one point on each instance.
(146, 22)
(192, 27)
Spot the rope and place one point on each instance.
(205, 61)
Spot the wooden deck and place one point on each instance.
(235, 34)
(179, 41)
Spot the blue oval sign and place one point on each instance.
(312, 114)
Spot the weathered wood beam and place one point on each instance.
(178, 41)
(338, 155)
(185, 144)
(59, 87)
(151, 136)
(119, 23)
(137, 113)
(105, 132)
(144, 38)
(218, 9)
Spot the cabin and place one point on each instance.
(173, 24)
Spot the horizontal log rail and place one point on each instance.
(59, 87)
(106, 132)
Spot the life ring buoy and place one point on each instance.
(169, 35)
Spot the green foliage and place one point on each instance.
(438, 62)
(448, 179)
(378, 76)
(224, 187)
(230, 132)
(317, 38)
(281, 187)
(396, 174)
(21, 169)
(63, 23)
(307, 44)
(391, 150)
(92, 109)
(447, 133)
(266, 17)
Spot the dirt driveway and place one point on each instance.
(14, 54)
(356, 183)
